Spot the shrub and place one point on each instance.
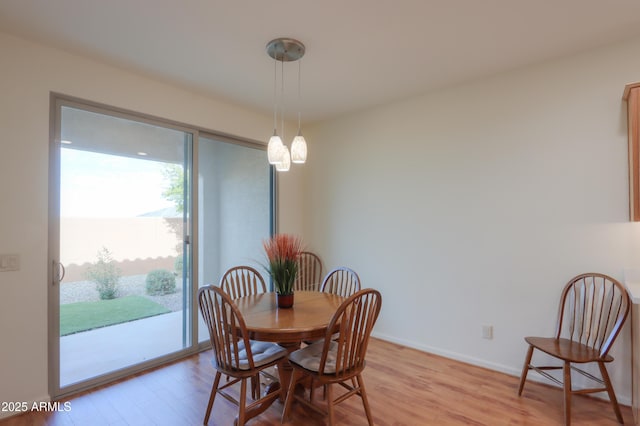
(105, 274)
(160, 282)
(178, 265)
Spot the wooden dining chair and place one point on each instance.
(342, 281)
(593, 308)
(309, 275)
(235, 355)
(328, 362)
(241, 281)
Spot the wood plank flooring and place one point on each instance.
(405, 387)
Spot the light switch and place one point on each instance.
(9, 262)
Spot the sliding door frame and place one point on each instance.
(57, 101)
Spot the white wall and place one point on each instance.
(28, 73)
(468, 206)
(475, 205)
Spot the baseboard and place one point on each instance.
(511, 371)
(22, 406)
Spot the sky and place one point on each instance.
(103, 185)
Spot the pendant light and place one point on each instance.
(285, 50)
(299, 145)
(275, 143)
(285, 160)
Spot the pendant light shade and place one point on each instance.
(274, 148)
(285, 50)
(299, 149)
(285, 160)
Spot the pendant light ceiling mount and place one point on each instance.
(283, 50)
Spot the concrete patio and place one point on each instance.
(91, 353)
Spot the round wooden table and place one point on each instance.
(306, 320)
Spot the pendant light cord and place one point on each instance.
(275, 95)
(299, 96)
(282, 97)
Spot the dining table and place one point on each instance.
(306, 320)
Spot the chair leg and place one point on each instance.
(525, 369)
(311, 389)
(255, 386)
(365, 401)
(332, 419)
(295, 376)
(283, 386)
(612, 394)
(242, 402)
(214, 391)
(567, 392)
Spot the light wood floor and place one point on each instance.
(405, 387)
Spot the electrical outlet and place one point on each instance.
(9, 262)
(487, 332)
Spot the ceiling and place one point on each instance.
(360, 53)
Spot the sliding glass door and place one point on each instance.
(128, 239)
(123, 291)
(234, 209)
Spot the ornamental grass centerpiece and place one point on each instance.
(282, 252)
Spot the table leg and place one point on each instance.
(284, 374)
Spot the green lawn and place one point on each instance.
(82, 316)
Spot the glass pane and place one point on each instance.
(234, 193)
(122, 217)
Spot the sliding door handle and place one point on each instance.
(58, 272)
